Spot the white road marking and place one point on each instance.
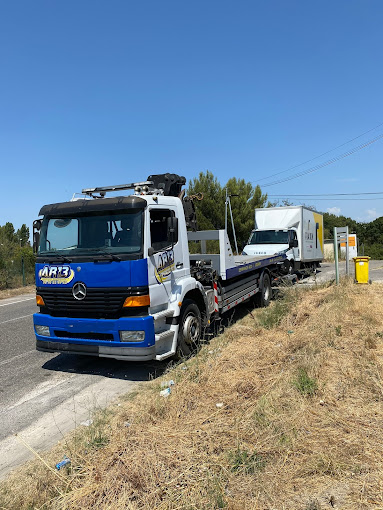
(41, 389)
(16, 357)
(17, 318)
(20, 301)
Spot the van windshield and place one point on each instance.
(92, 234)
(270, 237)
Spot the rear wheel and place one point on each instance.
(263, 297)
(190, 330)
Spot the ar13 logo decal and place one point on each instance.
(165, 266)
(56, 274)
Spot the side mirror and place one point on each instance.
(172, 228)
(151, 251)
(295, 243)
(36, 235)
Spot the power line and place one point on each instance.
(329, 194)
(351, 199)
(326, 163)
(320, 155)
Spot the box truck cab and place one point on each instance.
(295, 231)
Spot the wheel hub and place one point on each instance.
(191, 330)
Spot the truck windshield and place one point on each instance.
(108, 233)
(270, 237)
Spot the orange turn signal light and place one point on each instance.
(39, 301)
(137, 301)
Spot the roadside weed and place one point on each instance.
(305, 384)
(243, 461)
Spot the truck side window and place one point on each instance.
(159, 229)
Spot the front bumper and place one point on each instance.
(75, 336)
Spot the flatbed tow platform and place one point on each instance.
(226, 264)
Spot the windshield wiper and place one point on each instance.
(61, 257)
(110, 255)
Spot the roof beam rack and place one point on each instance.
(120, 187)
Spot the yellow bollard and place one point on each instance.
(361, 269)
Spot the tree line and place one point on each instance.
(369, 234)
(15, 255)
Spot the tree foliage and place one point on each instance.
(369, 235)
(211, 209)
(15, 251)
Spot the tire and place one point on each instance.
(288, 267)
(190, 329)
(263, 297)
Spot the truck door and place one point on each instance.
(165, 259)
(295, 245)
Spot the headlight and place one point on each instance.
(42, 330)
(132, 336)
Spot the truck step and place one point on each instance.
(163, 314)
(164, 344)
(164, 335)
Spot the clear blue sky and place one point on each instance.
(106, 92)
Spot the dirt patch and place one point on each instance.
(29, 289)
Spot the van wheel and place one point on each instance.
(190, 329)
(263, 297)
(288, 267)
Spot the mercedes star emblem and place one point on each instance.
(79, 291)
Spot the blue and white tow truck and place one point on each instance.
(114, 276)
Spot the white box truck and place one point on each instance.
(294, 230)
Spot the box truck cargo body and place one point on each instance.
(294, 230)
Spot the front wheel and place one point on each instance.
(190, 330)
(263, 297)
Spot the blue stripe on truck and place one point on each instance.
(253, 266)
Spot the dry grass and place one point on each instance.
(300, 427)
(7, 293)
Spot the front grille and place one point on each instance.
(85, 336)
(103, 302)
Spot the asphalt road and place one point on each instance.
(44, 395)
